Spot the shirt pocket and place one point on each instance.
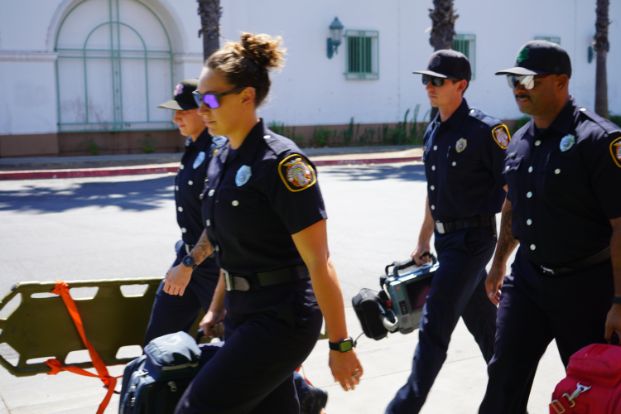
(563, 175)
(462, 166)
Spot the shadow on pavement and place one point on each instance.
(404, 172)
(134, 195)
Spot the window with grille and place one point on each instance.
(362, 54)
(466, 44)
(114, 66)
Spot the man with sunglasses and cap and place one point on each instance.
(563, 171)
(464, 151)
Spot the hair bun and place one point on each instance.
(263, 49)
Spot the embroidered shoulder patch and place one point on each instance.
(296, 173)
(615, 151)
(501, 136)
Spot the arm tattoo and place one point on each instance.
(506, 241)
(203, 248)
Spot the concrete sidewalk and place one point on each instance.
(26, 168)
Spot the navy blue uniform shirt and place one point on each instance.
(255, 198)
(464, 158)
(564, 186)
(189, 183)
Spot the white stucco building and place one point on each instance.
(71, 69)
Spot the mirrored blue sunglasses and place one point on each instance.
(212, 99)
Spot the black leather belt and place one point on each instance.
(443, 227)
(595, 259)
(246, 282)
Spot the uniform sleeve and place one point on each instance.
(294, 194)
(498, 140)
(604, 162)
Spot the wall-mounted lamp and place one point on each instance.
(336, 36)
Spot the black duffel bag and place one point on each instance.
(154, 382)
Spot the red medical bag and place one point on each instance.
(592, 384)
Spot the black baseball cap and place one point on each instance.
(182, 96)
(540, 57)
(447, 63)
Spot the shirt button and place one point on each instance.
(557, 171)
(433, 207)
(533, 247)
(176, 188)
(208, 222)
(234, 203)
(537, 143)
(433, 168)
(435, 147)
(216, 248)
(530, 169)
(529, 194)
(529, 222)
(184, 230)
(454, 163)
(181, 166)
(433, 187)
(190, 182)
(210, 193)
(180, 209)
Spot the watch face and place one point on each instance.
(346, 345)
(188, 261)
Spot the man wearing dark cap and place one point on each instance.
(464, 151)
(173, 313)
(563, 171)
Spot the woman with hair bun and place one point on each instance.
(266, 224)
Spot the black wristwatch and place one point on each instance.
(344, 345)
(189, 261)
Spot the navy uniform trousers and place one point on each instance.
(534, 310)
(178, 313)
(269, 333)
(457, 290)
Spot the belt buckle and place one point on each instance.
(229, 284)
(440, 227)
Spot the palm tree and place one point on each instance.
(210, 12)
(443, 18)
(601, 47)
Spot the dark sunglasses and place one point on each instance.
(435, 81)
(526, 81)
(212, 99)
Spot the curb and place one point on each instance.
(163, 169)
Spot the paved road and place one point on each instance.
(125, 227)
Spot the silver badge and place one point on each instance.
(243, 175)
(461, 144)
(199, 159)
(567, 142)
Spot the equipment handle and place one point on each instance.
(396, 266)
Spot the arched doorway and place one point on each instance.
(114, 66)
